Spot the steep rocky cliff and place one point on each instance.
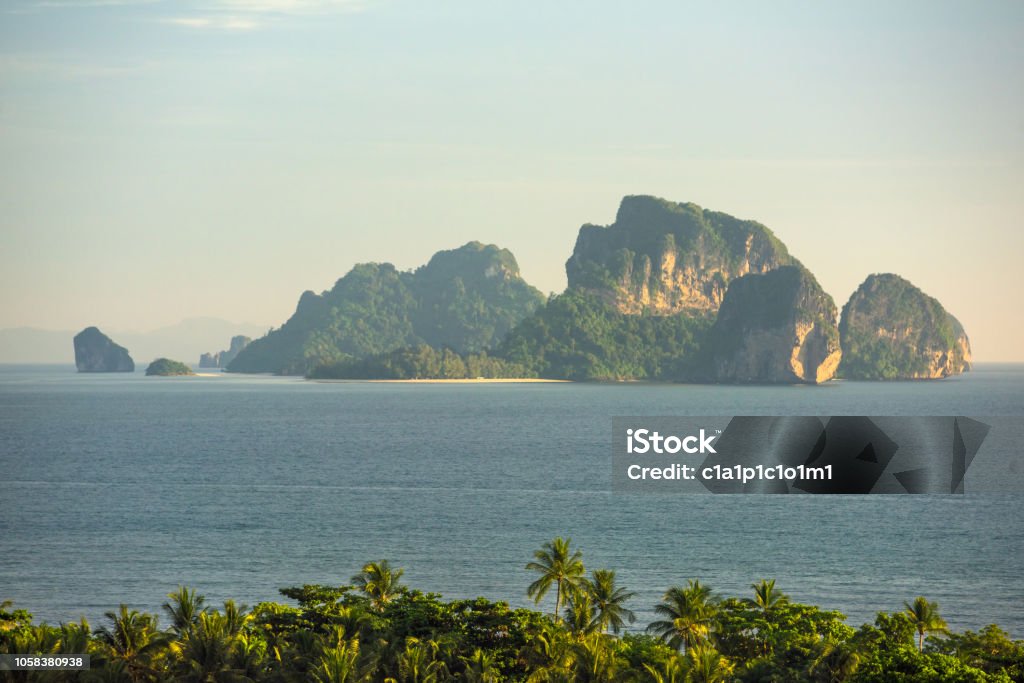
(221, 359)
(776, 327)
(890, 329)
(466, 299)
(96, 352)
(664, 257)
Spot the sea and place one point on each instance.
(119, 488)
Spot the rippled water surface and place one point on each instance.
(116, 488)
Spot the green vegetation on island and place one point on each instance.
(669, 292)
(421, 362)
(580, 337)
(890, 330)
(466, 299)
(376, 629)
(573, 337)
(165, 367)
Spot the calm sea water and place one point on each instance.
(118, 488)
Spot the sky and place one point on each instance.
(161, 160)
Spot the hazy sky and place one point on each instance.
(162, 160)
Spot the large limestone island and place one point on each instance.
(165, 367)
(663, 257)
(777, 327)
(890, 329)
(669, 291)
(465, 299)
(96, 352)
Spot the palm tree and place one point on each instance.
(594, 659)
(339, 664)
(608, 601)
(379, 581)
(672, 670)
(707, 665)
(235, 617)
(206, 651)
(481, 668)
(766, 597)
(418, 665)
(837, 662)
(581, 615)
(557, 565)
(925, 617)
(549, 656)
(689, 614)
(132, 639)
(184, 608)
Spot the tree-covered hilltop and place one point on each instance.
(580, 337)
(165, 367)
(890, 329)
(466, 299)
(376, 629)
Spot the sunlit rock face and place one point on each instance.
(890, 329)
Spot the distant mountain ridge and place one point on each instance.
(186, 339)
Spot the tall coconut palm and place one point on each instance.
(766, 597)
(689, 615)
(184, 607)
(558, 565)
(379, 581)
(132, 638)
(925, 617)
(608, 601)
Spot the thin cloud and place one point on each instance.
(249, 15)
(220, 23)
(291, 6)
(218, 15)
